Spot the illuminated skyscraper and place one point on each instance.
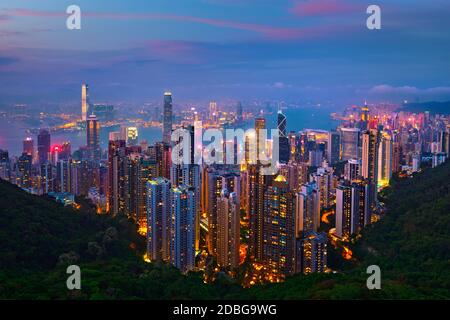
(63, 181)
(217, 181)
(333, 145)
(84, 102)
(43, 146)
(323, 178)
(116, 175)
(284, 151)
(228, 229)
(46, 177)
(307, 206)
(384, 160)
(132, 136)
(314, 253)
(352, 207)
(167, 118)
(369, 163)
(279, 234)
(24, 170)
(183, 211)
(352, 169)
(260, 123)
(5, 165)
(364, 117)
(28, 146)
(257, 183)
(93, 137)
(349, 143)
(159, 219)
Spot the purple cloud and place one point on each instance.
(324, 8)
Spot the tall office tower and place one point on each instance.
(161, 153)
(132, 136)
(279, 234)
(307, 209)
(84, 102)
(228, 230)
(28, 146)
(43, 146)
(63, 181)
(352, 207)
(349, 143)
(24, 167)
(167, 118)
(295, 173)
(93, 137)
(284, 150)
(116, 175)
(217, 181)
(333, 145)
(384, 160)
(5, 165)
(323, 178)
(239, 113)
(364, 117)
(260, 124)
(314, 253)
(46, 177)
(159, 219)
(183, 214)
(213, 112)
(352, 169)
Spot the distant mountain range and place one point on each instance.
(433, 107)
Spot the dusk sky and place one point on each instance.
(316, 50)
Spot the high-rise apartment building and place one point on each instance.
(228, 229)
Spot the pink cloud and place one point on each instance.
(267, 31)
(174, 50)
(324, 8)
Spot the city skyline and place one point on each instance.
(308, 51)
(224, 149)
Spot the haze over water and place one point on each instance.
(12, 133)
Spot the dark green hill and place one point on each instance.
(39, 238)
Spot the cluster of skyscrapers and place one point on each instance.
(234, 213)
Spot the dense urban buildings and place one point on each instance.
(196, 215)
